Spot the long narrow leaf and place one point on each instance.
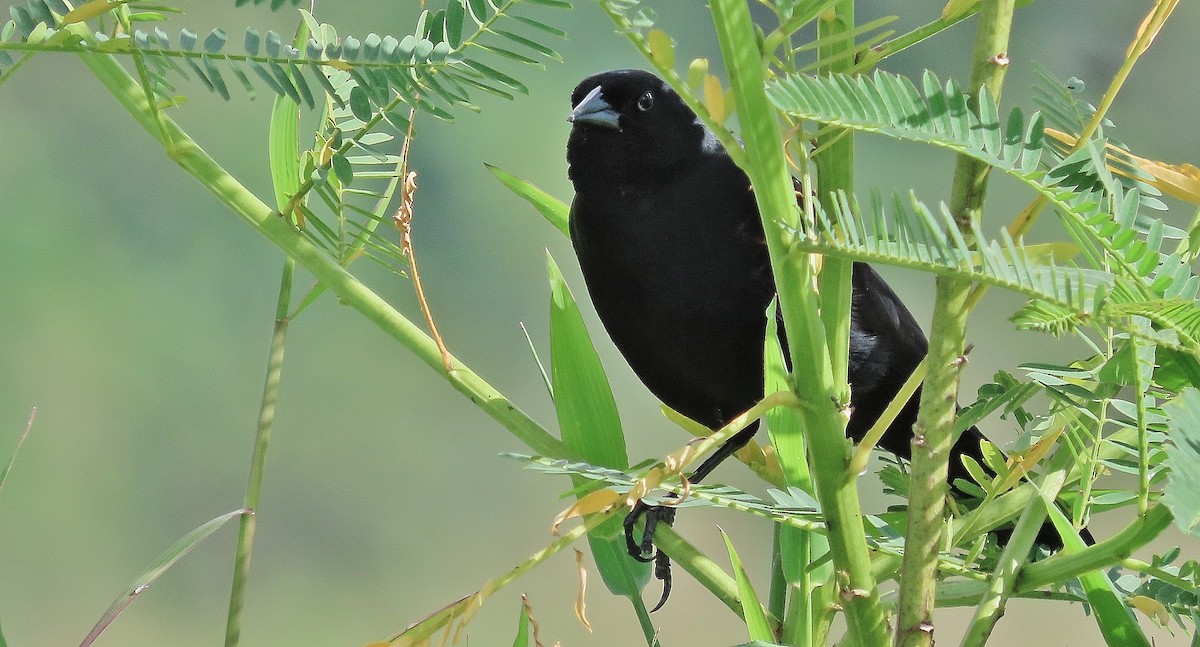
(156, 570)
(590, 424)
(1115, 620)
(756, 618)
(555, 211)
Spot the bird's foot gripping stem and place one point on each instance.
(644, 550)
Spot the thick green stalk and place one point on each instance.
(835, 173)
(934, 428)
(824, 423)
(267, 222)
(1065, 566)
(258, 460)
(930, 460)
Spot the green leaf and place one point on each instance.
(360, 104)
(1183, 460)
(522, 639)
(298, 79)
(284, 148)
(342, 169)
(541, 26)
(156, 570)
(496, 75)
(1176, 370)
(555, 211)
(798, 547)
(509, 54)
(891, 105)
(752, 609)
(479, 10)
(1115, 620)
(455, 14)
(587, 411)
(215, 41)
(533, 45)
(590, 426)
(318, 73)
(214, 76)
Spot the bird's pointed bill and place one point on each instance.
(595, 111)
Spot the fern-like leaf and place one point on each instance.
(891, 105)
(434, 69)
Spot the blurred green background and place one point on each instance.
(136, 313)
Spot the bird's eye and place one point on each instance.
(645, 102)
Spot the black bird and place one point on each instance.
(671, 247)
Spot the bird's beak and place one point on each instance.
(595, 111)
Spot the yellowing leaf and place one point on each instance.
(581, 601)
(1180, 181)
(956, 8)
(595, 502)
(1151, 25)
(1151, 607)
(1024, 462)
(89, 10)
(661, 48)
(714, 98)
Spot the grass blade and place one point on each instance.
(554, 210)
(756, 618)
(1115, 620)
(522, 639)
(160, 566)
(591, 426)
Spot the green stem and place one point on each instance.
(901, 43)
(1065, 566)
(258, 460)
(967, 593)
(1003, 580)
(835, 174)
(934, 427)
(1153, 571)
(267, 222)
(930, 463)
(824, 426)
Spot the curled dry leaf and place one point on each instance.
(597, 501)
(581, 601)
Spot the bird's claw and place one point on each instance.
(644, 550)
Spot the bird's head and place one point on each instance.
(626, 123)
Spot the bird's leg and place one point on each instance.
(644, 550)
